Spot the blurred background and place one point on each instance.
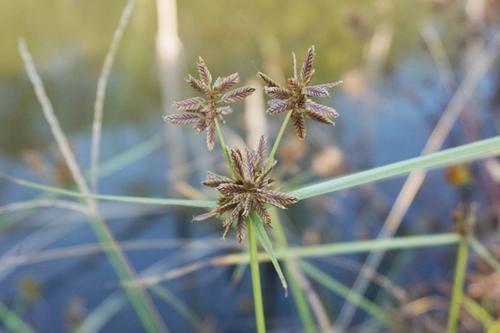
(405, 64)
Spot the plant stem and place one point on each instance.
(484, 253)
(12, 321)
(224, 147)
(297, 293)
(279, 137)
(256, 287)
(458, 285)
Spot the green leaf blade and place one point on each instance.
(462, 154)
(265, 241)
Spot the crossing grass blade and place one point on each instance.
(115, 198)
(340, 289)
(462, 154)
(360, 246)
(12, 321)
(264, 240)
(484, 253)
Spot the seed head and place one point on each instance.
(296, 96)
(202, 112)
(249, 189)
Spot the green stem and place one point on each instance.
(340, 289)
(224, 147)
(484, 253)
(12, 321)
(458, 286)
(256, 287)
(279, 137)
(297, 293)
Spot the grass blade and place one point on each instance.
(140, 300)
(115, 198)
(458, 286)
(135, 153)
(102, 84)
(168, 297)
(340, 289)
(264, 240)
(484, 253)
(309, 252)
(479, 313)
(12, 321)
(256, 286)
(298, 293)
(465, 153)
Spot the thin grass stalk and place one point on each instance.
(297, 293)
(102, 84)
(465, 153)
(484, 253)
(279, 137)
(114, 198)
(479, 313)
(458, 286)
(127, 157)
(140, 300)
(12, 321)
(168, 297)
(224, 147)
(256, 286)
(42, 203)
(462, 154)
(312, 251)
(137, 296)
(340, 289)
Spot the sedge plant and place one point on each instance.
(244, 194)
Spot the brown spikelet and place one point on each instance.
(203, 72)
(319, 117)
(196, 85)
(214, 180)
(211, 136)
(267, 80)
(262, 212)
(183, 119)
(200, 126)
(316, 91)
(237, 95)
(236, 160)
(277, 92)
(277, 106)
(223, 85)
(307, 67)
(293, 83)
(261, 150)
(190, 104)
(249, 190)
(299, 125)
(323, 109)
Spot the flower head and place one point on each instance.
(203, 112)
(249, 189)
(296, 96)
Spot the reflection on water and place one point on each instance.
(391, 99)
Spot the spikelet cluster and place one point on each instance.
(296, 96)
(251, 188)
(218, 95)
